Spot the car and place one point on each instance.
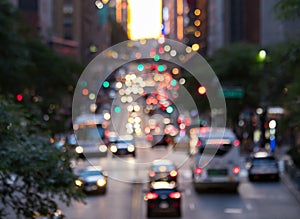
(123, 146)
(161, 140)
(163, 198)
(92, 179)
(262, 166)
(215, 159)
(163, 170)
(53, 215)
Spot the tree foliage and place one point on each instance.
(29, 67)
(33, 172)
(288, 9)
(237, 67)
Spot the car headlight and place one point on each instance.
(102, 148)
(130, 148)
(113, 148)
(78, 182)
(101, 182)
(79, 150)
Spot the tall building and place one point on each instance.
(252, 21)
(150, 19)
(196, 30)
(77, 29)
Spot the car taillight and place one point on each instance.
(198, 170)
(236, 170)
(151, 195)
(198, 144)
(175, 195)
(151, 174)
(173, 173)
(236, 143)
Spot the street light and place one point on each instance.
(262, 55)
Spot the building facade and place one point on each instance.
(251, 21)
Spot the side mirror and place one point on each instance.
(105, 173)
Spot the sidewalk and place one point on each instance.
(281, 153)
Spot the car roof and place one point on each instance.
(93, 168)
(162, 162)
(162, 185)
(125, 138)
(216, 132)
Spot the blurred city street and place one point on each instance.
(133, 109)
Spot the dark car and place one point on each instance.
(123, 146)
(163, 199)
(161, 140)
(53, 215)
(92, 179)
(163, 170)
(262, 166)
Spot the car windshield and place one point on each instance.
(163, 168)
(215, 141)
(90, 173)
(264, 161)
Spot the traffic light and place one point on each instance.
(170, 109)
(202, 90)
(106, 84)
(19, 97)
(117, 109)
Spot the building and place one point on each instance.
(77, 29)
(251, 21)
(196, 30)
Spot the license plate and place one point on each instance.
(164, 205)
(91, 188)
(217, 172)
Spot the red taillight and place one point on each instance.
(198, 170)
(173, 173)
(175, 195)
(151, 174)
(236, 143)
(151, 195)
(236, 170)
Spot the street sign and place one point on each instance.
(233, 93)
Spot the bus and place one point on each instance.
(92, 135)
(215, 158)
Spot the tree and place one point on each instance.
(33, 172)
(291, 65)
(237, 67)
(288, 9)
(24, 69)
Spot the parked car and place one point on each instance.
(262, 166)
(53, 215)
(92, 179)
(163, 198)
(163, 170)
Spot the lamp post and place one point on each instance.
(261, 58)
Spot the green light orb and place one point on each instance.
(156, 58)
(106, 84)
(140, 67)
(160, 68)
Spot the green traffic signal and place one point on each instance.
(117, 109)
(170, 109)
(106, 84)
(140, 67)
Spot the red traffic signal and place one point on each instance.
(202, 90)
(19, 97)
